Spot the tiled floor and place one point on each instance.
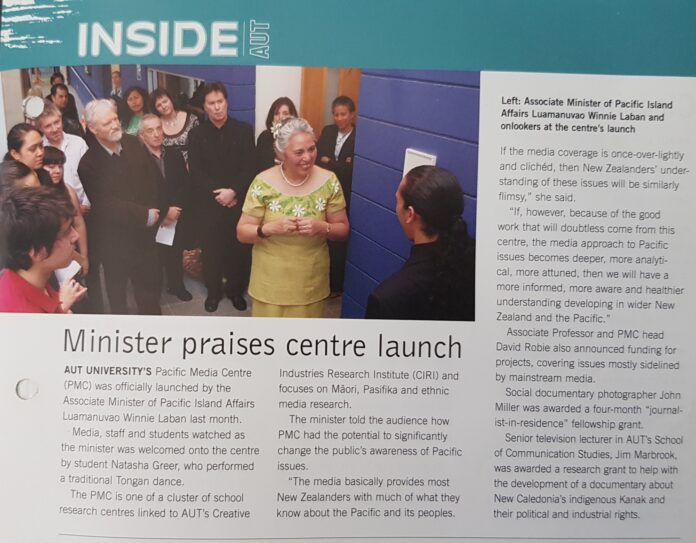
(171, 305)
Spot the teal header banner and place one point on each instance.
(638, 37)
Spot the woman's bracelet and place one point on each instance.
(259, 232)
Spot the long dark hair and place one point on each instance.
(276, 105)
(435, 194)
(156, 95)
(53, 155)
(16, 137)
(127, 112)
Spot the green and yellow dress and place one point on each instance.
(291, 270)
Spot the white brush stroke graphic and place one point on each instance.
(23, 21)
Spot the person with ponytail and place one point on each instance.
(437, 280)
(25, 145)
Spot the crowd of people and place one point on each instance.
(146, 179)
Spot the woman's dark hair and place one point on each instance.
(11, 172)
(156, 95)
(127, 110)
(276, 105)
(53, 155)
(343, 101)
(436, 196)
(16, 137)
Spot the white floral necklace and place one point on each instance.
(282, 172)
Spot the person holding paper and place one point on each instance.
(171, 164)
(121, 181)
(38, 239)
(290, 212)
(221, 158)
(437, 280)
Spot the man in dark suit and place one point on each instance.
(221, 158)
(116, 91)
(174, 185)
(335, 150)
(121, 181)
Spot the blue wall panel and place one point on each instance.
(385, 144)
(375, 182)
(89, 86)
(359, 285)
(447, 110)
(129, 77)
(237, 75)
(466, 79)
(380, 224)
(376, 261)
(432, 111)
(350, 309)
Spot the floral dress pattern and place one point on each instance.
(180, 140)
(291, 269)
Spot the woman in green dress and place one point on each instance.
(289, 213)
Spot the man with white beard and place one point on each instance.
(121, 182)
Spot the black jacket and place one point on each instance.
(221, 158)
(409, 293)
(122, 190)
(343, 167)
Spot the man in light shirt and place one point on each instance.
(50, 122)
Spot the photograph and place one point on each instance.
(243, 191)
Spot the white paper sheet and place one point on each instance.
(165, 234)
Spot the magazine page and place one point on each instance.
(329, 272)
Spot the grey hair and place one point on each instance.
(93, 108)
(288, 128)
(147, 117)
(49, 110)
